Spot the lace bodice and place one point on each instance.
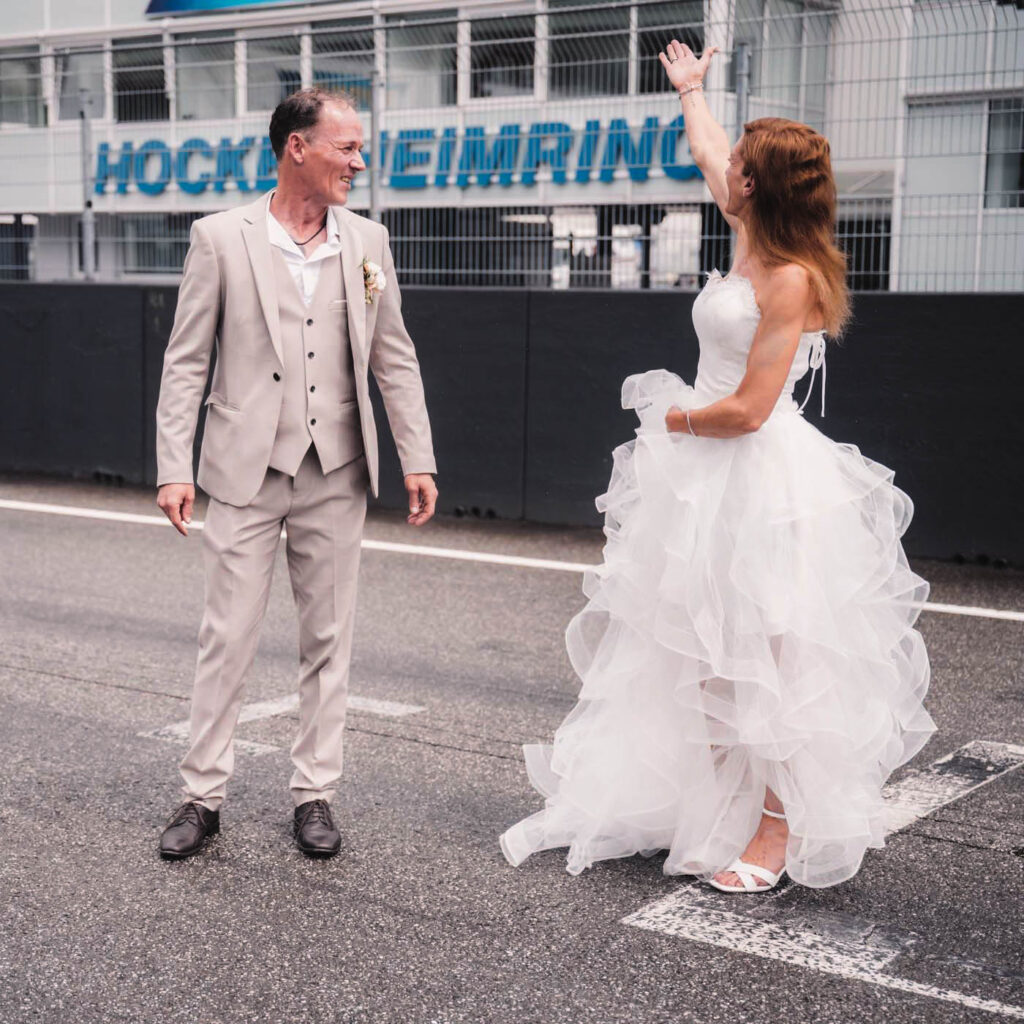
(725, 315)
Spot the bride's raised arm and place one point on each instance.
(709, 144)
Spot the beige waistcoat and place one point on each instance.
(319, 404)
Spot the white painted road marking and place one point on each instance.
(682, 916)
(455, 554)
(977, 764)
(177, 732)
(693, 912)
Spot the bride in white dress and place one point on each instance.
(751, 672)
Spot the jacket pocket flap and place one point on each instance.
(216, 398)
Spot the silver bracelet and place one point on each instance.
(689, 425)
(692, 87)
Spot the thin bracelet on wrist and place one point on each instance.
(692, 87)
(689, 425)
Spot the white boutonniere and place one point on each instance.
(374, 281)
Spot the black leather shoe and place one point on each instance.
(315, 834)
(187, 830)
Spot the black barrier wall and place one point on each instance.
(523, 390)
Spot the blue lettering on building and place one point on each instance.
(477, 159)
(548, 143)
(417, 158)
(406, 156)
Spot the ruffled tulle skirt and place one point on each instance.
(752, 625)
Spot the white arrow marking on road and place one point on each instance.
(695, 913)
(177, 732)
(454, 554)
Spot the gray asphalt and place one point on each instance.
(419, 919)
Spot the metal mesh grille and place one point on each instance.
(535, 148)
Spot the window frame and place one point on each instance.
(28, 51)
(465, 92)
(226, 37)
(1010, 97)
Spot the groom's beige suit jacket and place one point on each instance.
(228, 297)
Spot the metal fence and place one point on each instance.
(535, 147)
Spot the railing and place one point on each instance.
(534, 148)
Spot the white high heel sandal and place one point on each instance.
(746, 872)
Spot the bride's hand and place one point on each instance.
(675, 420)
(682, 66)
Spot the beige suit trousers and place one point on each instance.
(324, 516)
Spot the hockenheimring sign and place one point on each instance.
(417, 158)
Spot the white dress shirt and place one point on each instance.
(305, 271)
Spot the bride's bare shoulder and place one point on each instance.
(790, 276)
(787, 291)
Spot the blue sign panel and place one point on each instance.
(202, 6)
(419, 158)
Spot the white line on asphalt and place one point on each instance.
(477, 556)
(177, 732)
(980, 613)
(951, 778)
(86, 513)
(695, 914)
(678, 916)
(454, 554)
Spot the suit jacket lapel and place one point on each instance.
(257, 244)
(352, 274)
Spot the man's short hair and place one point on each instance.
(300, 113)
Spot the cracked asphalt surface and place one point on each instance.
(420, 919)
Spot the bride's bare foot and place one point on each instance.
(767, 849)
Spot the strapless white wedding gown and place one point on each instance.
(752, 624)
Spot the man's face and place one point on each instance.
(332, 155)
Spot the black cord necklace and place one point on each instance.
(323, 224)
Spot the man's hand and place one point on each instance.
(177, 500)
(422, 497)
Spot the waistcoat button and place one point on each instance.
(277, 376)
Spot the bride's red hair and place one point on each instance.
(793, 208)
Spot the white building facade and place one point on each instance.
(522, 144)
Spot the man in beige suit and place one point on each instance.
(301, 299)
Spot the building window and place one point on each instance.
(588, 49)
(656, 25)
(21, 91)
(76, 71)
(787, 41)
(475, 247)
(421, 60)
(865, 238)
(715, 241)
(783, 34)
(343, 57)
(155, 243)
(204, 73)
(16, 235)
(140, 88)
(748, 27)
(573, 245)
(273, 71)
(1004, 162)
(501, 57)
